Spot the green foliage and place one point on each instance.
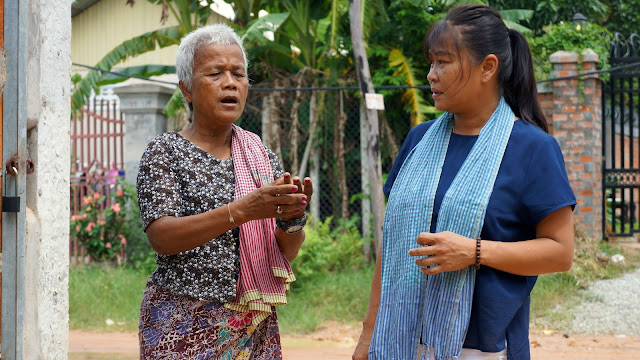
(143, 71)
(547, 12)
(139, 253)
(566, 37)
(623, 17)
(412, 96)
(327, 250)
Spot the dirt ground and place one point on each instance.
(337, 343)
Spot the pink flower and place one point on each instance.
(123, 240)
(77, 228)
(108, 245)
(116, 208)
(88, 208)
(90, 226)
(83, 216)
(119, 193)
(74, 217)
(87, 200)
(96, 196)
(102, 222)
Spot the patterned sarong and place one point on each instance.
(177, 327)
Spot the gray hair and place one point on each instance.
(211, 34)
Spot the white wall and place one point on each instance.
(47, 256)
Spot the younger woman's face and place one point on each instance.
(455, 82)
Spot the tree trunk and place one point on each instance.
(311, 135)
(373, 139)
(267, 104)
(364, 180)
(338, 152)
(390, 139)
(295, 125)
(274, 120)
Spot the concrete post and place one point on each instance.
(577, 126)
(142, 105)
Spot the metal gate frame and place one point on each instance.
(621, 140)
(14, 152)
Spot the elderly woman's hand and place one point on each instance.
(305, 191)
(282, 198)
(446, 250)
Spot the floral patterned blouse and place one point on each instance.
(177, 178)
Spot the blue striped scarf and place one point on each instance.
(434, 308)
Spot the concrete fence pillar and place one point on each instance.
(577, 126)
(142, 105)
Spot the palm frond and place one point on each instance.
(256, 28)
(512, 18)
(176, 104)
(411, 96)
(143, 71)
(129, 48)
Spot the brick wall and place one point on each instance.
(577, 126)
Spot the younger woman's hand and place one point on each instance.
(362, 348)
(444, 251)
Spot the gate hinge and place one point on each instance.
(10, 204)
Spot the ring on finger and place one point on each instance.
(279, 210)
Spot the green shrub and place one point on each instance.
(328, 250)
(140, 255)
(565, 36)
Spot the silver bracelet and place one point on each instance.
(230, 216)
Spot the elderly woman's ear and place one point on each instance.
(185, 92)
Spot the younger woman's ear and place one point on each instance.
(489, 67)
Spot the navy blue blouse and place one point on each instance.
(531, 184)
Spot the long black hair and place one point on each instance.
(479, 31)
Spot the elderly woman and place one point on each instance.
(223, 229)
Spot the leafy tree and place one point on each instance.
(623, 17)
(565, 36)
(547, 12)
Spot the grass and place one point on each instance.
(101, 293)
(98, 293)
(341, 297)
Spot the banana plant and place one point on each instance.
(129, 48)
(189, 14)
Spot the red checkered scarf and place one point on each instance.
(265, 274)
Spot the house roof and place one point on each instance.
(79, 6)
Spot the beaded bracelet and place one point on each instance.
(478, 253)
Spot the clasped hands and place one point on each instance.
(286, 198)
(444, 251)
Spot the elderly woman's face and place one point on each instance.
(220, 85)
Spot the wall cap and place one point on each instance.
(563, 56)
(145, 88)
(588, 55)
